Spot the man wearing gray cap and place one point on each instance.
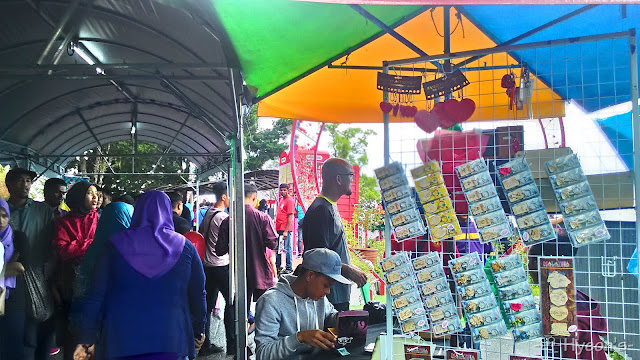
(282, 332)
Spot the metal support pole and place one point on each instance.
(388, 351)
(238, 220)
(65, 19)
(633, 72)
(196, 206)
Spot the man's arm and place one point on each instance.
(354, 274)
(269, 233)
(222, 245)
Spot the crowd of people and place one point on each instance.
(104, 279)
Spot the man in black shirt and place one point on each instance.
(180, 224)
(322, 227)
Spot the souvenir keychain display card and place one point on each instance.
(405, 296)
(512, 280)
(478, 187)
(573, 193)
(525, 202)
(434, 289)
(399, 203)
(484, 318)
(441, 217)
(557, 295)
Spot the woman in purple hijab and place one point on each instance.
(12, 322)
(147, 298)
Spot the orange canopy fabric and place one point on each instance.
(350, 96)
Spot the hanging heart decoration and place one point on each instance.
(439, 110)
(396, 107)
(459, 111)
(426, 121)
(385, 107)
(412, 111)
(505, 171)
(515, 307)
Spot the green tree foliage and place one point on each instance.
(369, 192)
(349, 143)
(264, 145)
(121, 184)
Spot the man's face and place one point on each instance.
(225, 199)
(318, 285)
(345, 179)
(106, 200)
(55, 196)
(178, 208)
(20, 187)
(100, 199)
(284, 192)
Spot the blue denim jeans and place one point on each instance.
(287, 250)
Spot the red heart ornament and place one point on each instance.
(505, 171)
(459, 111)
(411, 111)
(426, 121)
(403, 110)
(515, 307)
(396, 107)
(385, 107)
(444, 120)
(421, 152)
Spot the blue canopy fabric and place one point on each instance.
(619, 131)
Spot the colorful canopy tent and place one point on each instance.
(619, 131)
(290, 76)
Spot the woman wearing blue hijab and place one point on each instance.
(146, 299)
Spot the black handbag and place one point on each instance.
(377, 312)
(39, 301)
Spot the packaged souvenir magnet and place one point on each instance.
(438, 299)
(405, 217)
(417, 352)
(470, 277)
(490, 331)
(407, 299)
(437, 206)
(396, 193)
(474, 181)
(410, 311)
(433, 193)
(394, 261)
(523, 193)
(573, 192)
(474, 290)
(485, 317)
(430, 259)
(399, 179)
(402, 287)
(445, 231)
(511, 277)
(386, 171)
(515, 306)
(424, 169)
(442, 218)
(495, 232)
(523, 318)
(533, 219)
(418, 323)
(479, 304)
(567, 178)
(459, 354)
(562, 164)
(429, 181)
(485, 207)
(490, 219)
(529, 332)
(505, 263)
(434, 286)
(430, 273)
(517, 180)
(481, 193)
(401, 205)
(514, 291)
(409, 231)
(443, 312)
(538, 234)
(400, 273)
(447, 326)
(589, 235)
(471, 168)
(527, 206)
(465, 263)
(513, 167)
(578, 206)
(582, 221)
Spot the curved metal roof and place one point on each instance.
(165, 71)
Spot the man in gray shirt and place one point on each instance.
(322, 227)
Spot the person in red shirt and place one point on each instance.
(284, 225)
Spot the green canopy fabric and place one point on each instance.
(272, 57)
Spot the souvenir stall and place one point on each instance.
(508, 178)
